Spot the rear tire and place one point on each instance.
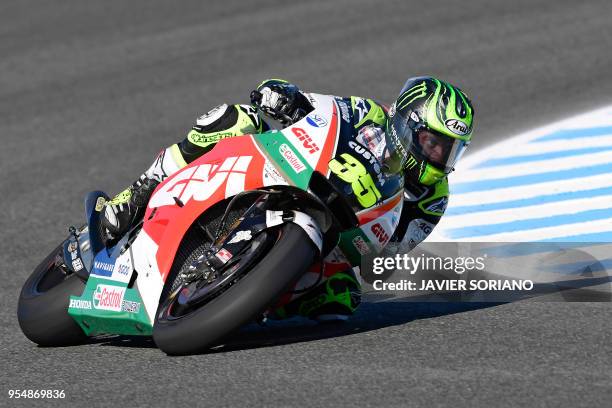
(43, 305)
(250, 296)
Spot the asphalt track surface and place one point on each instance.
(90, 91)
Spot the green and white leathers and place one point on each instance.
(430, 125)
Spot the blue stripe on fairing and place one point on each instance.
(486, 185)
(522, 225)
(541, 156)
(604, 237)
(543, 199)
(576, 133)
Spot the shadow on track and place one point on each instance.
(370, 316)
(378, 311)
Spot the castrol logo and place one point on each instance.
(107, 297)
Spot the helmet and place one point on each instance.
(429, 127)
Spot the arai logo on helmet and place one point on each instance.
(457, 127)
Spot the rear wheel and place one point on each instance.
(258, 278)
(43, 303)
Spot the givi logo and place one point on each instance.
(201, 182)
(305, 139)
(380, 233)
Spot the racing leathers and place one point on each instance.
(339, 294)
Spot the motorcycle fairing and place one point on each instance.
(109, 304)
(376, 226)
(232, 166)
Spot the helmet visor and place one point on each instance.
(438, 150)
(441, 151)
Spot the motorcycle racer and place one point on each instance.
(422, 134)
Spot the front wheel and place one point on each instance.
(43, 304)
(179, 330)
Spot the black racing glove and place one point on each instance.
(281, 101)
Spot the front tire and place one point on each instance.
(42, 311)
(250, 296)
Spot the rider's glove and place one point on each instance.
(281, 101)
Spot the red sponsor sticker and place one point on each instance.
(380, 233)
(107, 297)
(306, 140)
(224, 255)
(360, 245)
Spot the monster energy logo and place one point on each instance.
(412, 94)
(411, 162)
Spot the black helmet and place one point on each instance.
(429, 127)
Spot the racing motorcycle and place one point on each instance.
(251, 224)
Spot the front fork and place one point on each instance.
(81, 245)
(256, 219)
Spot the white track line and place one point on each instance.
(600, 117)
(590, 227)
(530, 146)
(552, 146)
(537, 167)
(499, 195)
(530, 212)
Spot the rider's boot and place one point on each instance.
(127, 208)
(334, 299)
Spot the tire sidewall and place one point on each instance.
(288, 259)
(43, 316)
